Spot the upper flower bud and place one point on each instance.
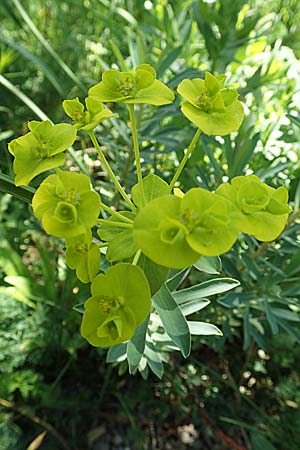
(214, 109)
(86, 119)
(40, 149)
(127, 87)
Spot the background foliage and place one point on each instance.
(239, 391)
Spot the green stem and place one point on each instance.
(136, 152)
(136, 257)
(185, 158)
(110, 172)
(115, 224)
(116, 214)
(102, 245)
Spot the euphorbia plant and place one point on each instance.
(160, 227)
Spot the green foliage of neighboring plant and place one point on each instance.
(43, 354)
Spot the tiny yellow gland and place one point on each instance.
(66, 205)
(212, 108)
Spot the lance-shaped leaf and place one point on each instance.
(263, 210)
(41, 149)
(120, 302)
(127, 87)
(214, 109)
(173, 319)
(66, 205)
(136, 346)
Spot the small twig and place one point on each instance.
(36, 420)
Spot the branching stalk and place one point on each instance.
(185, 158)
(110, 171)
(115, 224)
(137, 152)
(136, 257)
(116, 214)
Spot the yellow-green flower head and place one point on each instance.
(88, 118)
(127, 87)
(40, 149)
(83, 256)
(120, 302)
(214, 109)
(66, 205)
(263, 210)
(174, 231)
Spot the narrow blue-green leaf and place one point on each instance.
(194, 306)
(243, 152)
(116, 353)
(24, 98)
(173, 320)
(203, 328)
(176, 277)
(205, 289)
(270, 316)
(6, 135)
(259, 442)
(46, 45)
(37, 61)
(246, 329)
(153, 360)
(209, 264)
(126, 16)
(24, 193)
(136, 346)
(79, 307)
(168, 60)
(286, 314)
(289, 329)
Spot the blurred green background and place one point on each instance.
(237, 392)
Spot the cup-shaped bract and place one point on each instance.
(211, 107)
(86, 119)
(66, 205)
(174, 231)
(161, 234)
(83, 256)
(127, 87)
(120, 301)
(211, 222)
(263, 210)
(41, 149)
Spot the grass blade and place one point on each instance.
(47, 46)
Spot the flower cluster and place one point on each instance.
(213, 108)
(175, 231)
(163, 229)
